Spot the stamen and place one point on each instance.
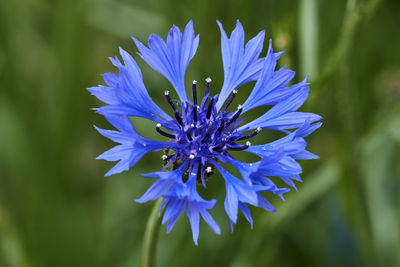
(194, 92)
(166, 93)
(158, 126)
(236, 116)
(178, 117)
(220, 127)
(210, 106)
(218, 147)
(241, 147)
(250, 135)
(191, 156)
(189, 136)
(195, 113)
(234, 93)
(208, 169)
(208, 132)
(164, 157)
(208, 81)
(188, 133)
(176, 112)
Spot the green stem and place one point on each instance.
(151, 237)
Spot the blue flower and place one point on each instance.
(201, 133)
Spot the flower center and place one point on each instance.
(200, 131)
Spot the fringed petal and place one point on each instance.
(171, 58)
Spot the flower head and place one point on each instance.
(202, 133)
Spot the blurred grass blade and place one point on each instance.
(380, 157)
(12, 250)
(308, 30)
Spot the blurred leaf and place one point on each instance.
(315, 186)
(122, 19)
(379, 162)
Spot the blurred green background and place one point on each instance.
(57, 209)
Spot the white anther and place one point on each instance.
(234, 91)
(194, 82)
(240, 106)
(208, 169)
(164, 157)
(248, 143)
(191, 156)
(158, 125)
(208, 80)
(192, 125)
(198, 107)
(166, 92)
(259, 129)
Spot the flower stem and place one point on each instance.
(151, 234)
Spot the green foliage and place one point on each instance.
(57, 209)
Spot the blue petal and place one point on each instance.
(115, 153)
(307, 129)
(125, 110)
(116, 136)
(131, 149)
(171, 175)
(289, 144)
(194, 217)
(245, 169)
(246, 212)
(156, 190)
(173, 219)
(126, 93)
(273, 90)
(172, 208)
(289, 120)
(210, 221)
(172, 58)
(305, 155)
(236, 190)
(263, 203)
(231, 202)
(134, 81)
(123, 165)
(286, 166)
(111, 79)
(241, 64)
(104, 94)
(269, 186)
(289, 182)
(292, 144)
(278, 111)
(122, 123)
(183, 196)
